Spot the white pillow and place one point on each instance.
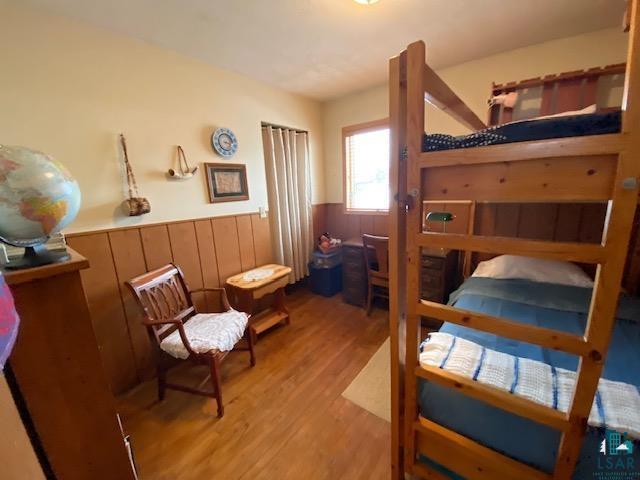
(585, 111)
(534, 269)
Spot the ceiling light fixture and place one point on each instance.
(366, 2)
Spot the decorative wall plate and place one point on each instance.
(224, 142)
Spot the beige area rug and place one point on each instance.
(371, 389)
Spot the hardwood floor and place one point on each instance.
(284, 419)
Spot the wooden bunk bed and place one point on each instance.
(533, 166)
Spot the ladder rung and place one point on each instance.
(545, 337)
(467, 457)
(574, 252)
(425, 472)
(498, 398)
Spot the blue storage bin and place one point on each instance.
(325, 281)
(327, 260)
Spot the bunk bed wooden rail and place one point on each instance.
(609, 169)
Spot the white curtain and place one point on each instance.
(289, 187)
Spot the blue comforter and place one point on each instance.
(545, 305)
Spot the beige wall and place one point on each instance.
(69, 89)
(472, 82)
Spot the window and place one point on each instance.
(366, 166)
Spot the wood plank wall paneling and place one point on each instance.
(184, 249)
(330, 217)
(542, 221)
(319, 215)
(156, 245)
(208, 260)
(261, 239)
(208, 250)
(129, 262)
(245, 239)
(107, 311)
(225, 234)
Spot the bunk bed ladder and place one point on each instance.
(618, 227)
(619, 154)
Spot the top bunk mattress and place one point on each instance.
(527, 130)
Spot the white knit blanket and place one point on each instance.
(616, 405)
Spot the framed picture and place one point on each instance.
(227, 182)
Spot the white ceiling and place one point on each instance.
(325, 48)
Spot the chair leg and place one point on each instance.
(249, 338)
(215, 380)
(369, 300)
(162, 382)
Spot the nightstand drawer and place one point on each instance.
(431, 281)
(433, 296)
(432, 262)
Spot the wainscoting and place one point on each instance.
(330, 217)
(542, 221)
(208, 250)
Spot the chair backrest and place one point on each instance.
(162, 295)
(376, 254)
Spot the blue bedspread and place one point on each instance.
(552, 306)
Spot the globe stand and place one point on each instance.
(37, 256)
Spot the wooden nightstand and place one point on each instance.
(354, 273)
(438, 278)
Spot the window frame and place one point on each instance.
(349, 131)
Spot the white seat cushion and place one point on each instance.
(207, 331)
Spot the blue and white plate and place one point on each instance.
(224, 142)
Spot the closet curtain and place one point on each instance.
(289, 190)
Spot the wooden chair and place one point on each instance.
(167, 306)
(376, 259)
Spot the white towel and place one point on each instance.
(616, 406)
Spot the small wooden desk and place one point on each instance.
(243, 295)
(439, 273)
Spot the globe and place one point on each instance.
(38, 197)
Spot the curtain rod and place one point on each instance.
(273, 125)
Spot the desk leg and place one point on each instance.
(280, 305)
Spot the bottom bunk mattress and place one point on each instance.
(546, 305)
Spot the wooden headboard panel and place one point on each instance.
(559, 93)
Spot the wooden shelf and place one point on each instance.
(16, 277)
(267, 319)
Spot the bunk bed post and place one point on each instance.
(397, 241)
(414, 129)
(618, 226)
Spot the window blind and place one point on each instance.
(367, 170)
